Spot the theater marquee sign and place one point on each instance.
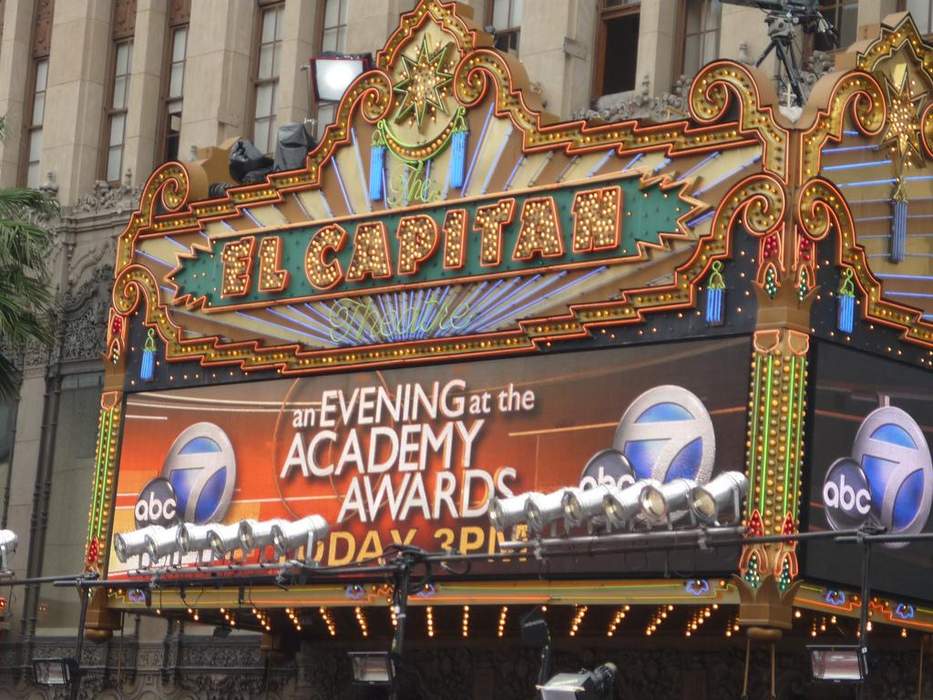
(312, 343)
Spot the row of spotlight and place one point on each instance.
(645, 503)
(284, 536)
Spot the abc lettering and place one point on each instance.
(154, 510)
(845, 497)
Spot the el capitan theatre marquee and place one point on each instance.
(413, 455)
(460, 297)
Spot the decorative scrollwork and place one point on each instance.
(860, 91)
(168, 182)
(820, 208)
(712, 92)
(484, 70)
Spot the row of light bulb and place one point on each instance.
(646, 501)
(284, 535)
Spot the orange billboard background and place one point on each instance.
(411, 455)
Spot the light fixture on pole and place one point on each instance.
(372, 668)
(721, 496)
(509, 512)
(54, 672)
(8, 541)
(332, 73)
(307, 532)
(844, 663)
(543, 509)
(193, 538)
(623, 505)
(597, 684)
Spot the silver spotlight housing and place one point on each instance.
(224, 539)
(543, 509)
(162, 542)
(193, 538)
(508, 512)
(623, 505)
(8, 541)
(585, 505)
(675, 497)
(258, 533)
(723, 494)
(131, 544)
(306, 532)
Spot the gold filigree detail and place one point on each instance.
(860, 91)
(820, 208)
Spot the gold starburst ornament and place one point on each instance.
(902, 131)
(424, 83)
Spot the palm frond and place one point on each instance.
(25, 293)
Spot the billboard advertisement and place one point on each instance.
(412, 455)
(870, 463)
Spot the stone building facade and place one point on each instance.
(97, 93)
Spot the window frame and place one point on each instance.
(110, 111)
(683, 35)
(836, 7)
(263, 8)
(514, 31)
(29, 127)
(165, 97)
(924, 31)
(604, 15)
(322, 27)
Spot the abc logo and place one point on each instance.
(889, 476)
(846, 494)
(201, 468)
(666, 433)
(156, 504)
(609, 468)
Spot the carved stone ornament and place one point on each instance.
(42, 32)
(107, 198)
(124, 19)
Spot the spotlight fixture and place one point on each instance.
(672, 500)
(131, 544)
(543, 509)
(597, 684)
(332, 73)
(839, 663)
(162, 542)
(720, 497)
(258, 533)
(622, 505)
(372, 667)
(306, 532)
(54, 672)
(585, 505)
(508, 512)
(194, 538)
(224, 539)
(8, 540)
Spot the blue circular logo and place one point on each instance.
(893, 454)
(665, 434)
(201, 468)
